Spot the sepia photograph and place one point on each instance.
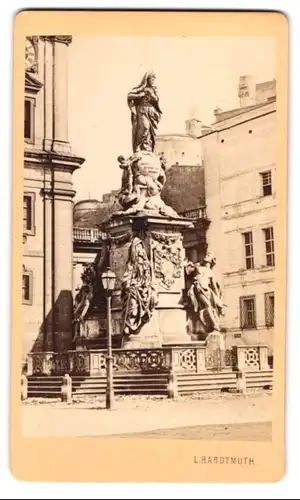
(149, 238)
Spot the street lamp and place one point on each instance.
(108, 281)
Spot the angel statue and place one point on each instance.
(83, 300)
(204, 294)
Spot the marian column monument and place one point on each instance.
(143, 245)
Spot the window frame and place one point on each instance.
(272, 241)
(32, 101)
(243, 324)
(251, 246)
(29, 274)
(262, 174)
(31, 195)
(267, 295)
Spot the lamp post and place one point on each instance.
(108, 281)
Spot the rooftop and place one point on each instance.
(224, 115)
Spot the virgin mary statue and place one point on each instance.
(145, 113)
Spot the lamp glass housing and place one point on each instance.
(108, 279)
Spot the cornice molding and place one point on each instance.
(59, 193)
(32, 83)
(52, 156)
(59, 162)
(66, 39)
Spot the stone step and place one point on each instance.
(96, 392)
(200, 383)
(118, 383)
(38, 392)
(123, 384)
(139, 377)
(196, 387)
(122, 377)
(197, 380)
(207, 382)
(259, 380)
(44, 382)
(259, 377)
(204, 376)
(147, 383)
(49, 387)
(262, 372)
(262, 383)
(45, 378)
(44, 395)
(129, 390)
(205, 388)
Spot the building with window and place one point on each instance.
(239, 158)
(48, 193)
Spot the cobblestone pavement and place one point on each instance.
(87, 416)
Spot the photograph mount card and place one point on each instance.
(151, 151)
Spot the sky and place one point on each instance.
(193, 76)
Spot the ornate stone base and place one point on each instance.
(215, 340)
(148, 338)
(215, 348)
(161, 238)
(172, 325)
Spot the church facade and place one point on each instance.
(49, 163)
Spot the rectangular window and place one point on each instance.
(269, 245)
(248, 243)
(248, 312)
(27, 288)
(28, 213)
(28, 119)
(266, 180)
(269, 308)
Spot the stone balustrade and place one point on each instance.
(41, 363)
(250, 357)
(86, 234)
(196, 213)
(174, 358)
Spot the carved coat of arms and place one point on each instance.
(167, 264)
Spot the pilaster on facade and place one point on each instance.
(49, 165)
(65, 39)
(46, 94)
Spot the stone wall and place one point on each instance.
(179, 149)
(184, 188)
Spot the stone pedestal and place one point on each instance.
(215, 349)
(148, 338)
(162, 239)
